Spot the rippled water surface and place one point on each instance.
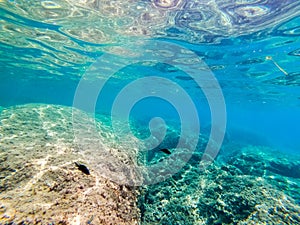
(223, 76)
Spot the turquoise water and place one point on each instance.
(223, 76)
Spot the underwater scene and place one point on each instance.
(149, 112)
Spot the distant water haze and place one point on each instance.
(256, 123)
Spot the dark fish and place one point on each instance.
(184, 78)
(82, 168)
(167, 151)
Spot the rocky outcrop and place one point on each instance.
(40, 183)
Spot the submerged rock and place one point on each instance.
(39, 183)
(240, 191)
(285, 168)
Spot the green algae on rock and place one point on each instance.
(224, 193)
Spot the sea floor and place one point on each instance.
(252, 185)
(40, 183)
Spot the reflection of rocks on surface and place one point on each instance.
(239, 191)
(40, 183)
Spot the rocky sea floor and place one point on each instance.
(252, 185)
(40, 183)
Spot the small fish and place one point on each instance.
(82, 168)
(165, 150)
